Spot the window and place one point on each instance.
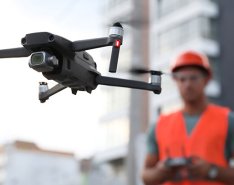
(199, 27)
(167, 6)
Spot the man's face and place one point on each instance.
(191, 83)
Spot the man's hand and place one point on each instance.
(199, 168)
(157, 172)
(165, 172)
(172, 173)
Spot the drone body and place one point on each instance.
(68, 63)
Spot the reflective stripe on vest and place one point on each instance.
(207, 139)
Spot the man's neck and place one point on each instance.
(196, 107)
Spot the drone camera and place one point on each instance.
(43, 61)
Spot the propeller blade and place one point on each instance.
(144, 71)
(135, 23)
(14, 53)
(139, 71)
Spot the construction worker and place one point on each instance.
(193, 145)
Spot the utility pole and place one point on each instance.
(139, 103)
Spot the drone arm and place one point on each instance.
(14, 52)
(114, 59)
(104, 80)
(43, 96)
(82, 45)
(114, 41)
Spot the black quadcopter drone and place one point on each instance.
(71, 66)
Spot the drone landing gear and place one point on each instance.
(45, 92)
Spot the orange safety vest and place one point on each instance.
(207, 140)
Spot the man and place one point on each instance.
(200, 135)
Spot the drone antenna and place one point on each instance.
(116, 32)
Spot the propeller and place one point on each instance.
(14, 52)
(139, 71)
(128, 22)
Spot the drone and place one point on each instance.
(68, 64)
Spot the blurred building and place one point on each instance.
(178, 25)
(24, 163)
(226, 40)
(100, 173)
(126, 111)
(115, 121)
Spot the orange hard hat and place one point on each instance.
(191, 58)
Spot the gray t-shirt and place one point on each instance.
(191, 121)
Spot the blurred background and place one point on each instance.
(100, 138)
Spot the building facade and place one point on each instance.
(126, 114)
(24, 163)
(226, 40)
(114, 122)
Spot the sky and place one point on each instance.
(65, 122)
